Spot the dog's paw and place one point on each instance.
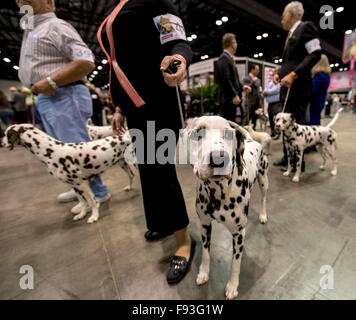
(78, 217)
(230, 292)
(334, 172)
(202, 278)
(322, 167)
(286, 174)
(93, 219)
(295, 179)
(263, 218)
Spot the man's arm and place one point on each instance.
(225, 79)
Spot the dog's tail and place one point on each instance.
(332, 122)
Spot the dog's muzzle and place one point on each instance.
(219, 159)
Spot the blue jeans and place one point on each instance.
(64, 116)
(6, 117)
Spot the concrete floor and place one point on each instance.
(311, 224)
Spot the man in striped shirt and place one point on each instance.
(54, 63)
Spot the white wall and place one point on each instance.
(6, 84)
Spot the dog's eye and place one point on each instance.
(284, 121)
(228, 134)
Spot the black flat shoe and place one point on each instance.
(153, 235)
(180, 266)
(281, 162)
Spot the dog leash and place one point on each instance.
(286, 99)
(172, 69)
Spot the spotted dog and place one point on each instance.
(224, 184)
(72, 163)
(100, 132)
(298, 137)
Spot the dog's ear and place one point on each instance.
(292, 117)
(13, 136)
(241, 136)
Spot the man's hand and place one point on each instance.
(42, 87)
(236, 100)
(173, 79)
(287, 81)
(247, 89)
(118, 124)
(265, 93)
(276, 78)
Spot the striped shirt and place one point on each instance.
(48, 48)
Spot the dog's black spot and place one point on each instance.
(88, 166)
(87, 159)
(97, 167)
(222, 218)
(237, 256)
(232, 200)
(104, 149)
(237, 220)
(231, 206)
(246, 210)
(49, 153)
(233, 214)
(239, 199)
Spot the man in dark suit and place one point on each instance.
(301, 52)
(254, 93)
(227, 76)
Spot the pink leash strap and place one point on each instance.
(125, 83)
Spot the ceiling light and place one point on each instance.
(100, 67)
(190, 39)
(265, 35)
(224, 19)
(332, 65)
(328, 13)
(348, 31)
(258, 37)
(194, 36)
(7, 60)
(16, 68)
(280, 60)
(206, 56)
(255, 55)
(218, 22)
(340, 9)
(260, 54)
(341, 69)
(276, 61)
(202, 57)
(95, 72)
(104, 61)
(336, 64)
(345, 69)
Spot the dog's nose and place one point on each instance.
(219, 159)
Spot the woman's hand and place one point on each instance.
(118, 124)
(173, 79)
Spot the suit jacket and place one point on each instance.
(297, 58)
(227, 77)
(253, 98)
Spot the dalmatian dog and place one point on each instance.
(298, 137)
(72, 163)
(227, 162)
(262, 137)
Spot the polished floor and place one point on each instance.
(311, 224)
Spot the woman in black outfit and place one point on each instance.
(148, 35)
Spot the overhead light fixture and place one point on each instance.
(340, 9)
(345, 69)
(336, 64)
(265, 35)
(95, 72)
(100, 68)
(224, 19)
(328, 13)
(202, 57)
(260, 54)
(218, 22)
(348, 31)
(206, 56)
(190, 39)
(258, 37)
(194, 36)
(7, 60)
(341, 69)
(16, 67)
(280, 60)
(104, 61)
(332, 65)
(276, 61)
(255, 55)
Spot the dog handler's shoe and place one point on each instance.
(76, 209)
(180, 266)
(67, 196)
